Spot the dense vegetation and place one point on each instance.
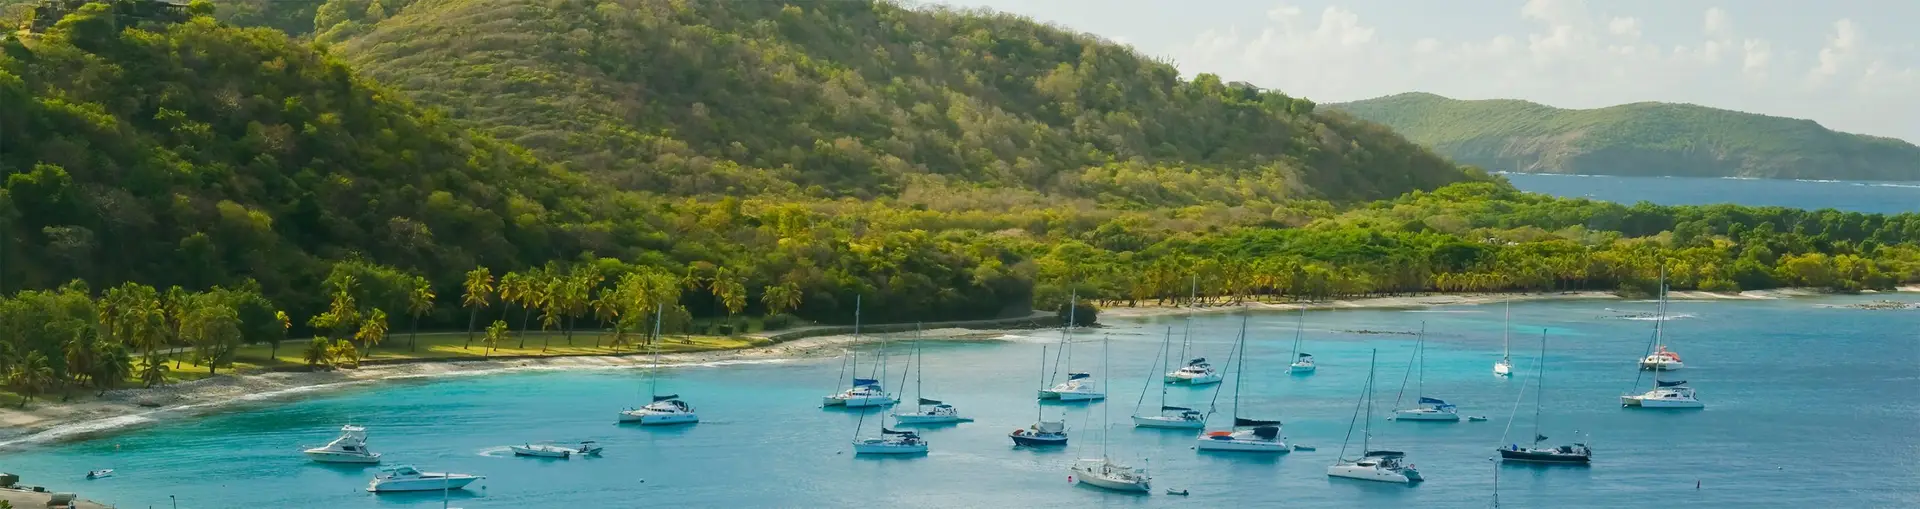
(174, 182)
(1637, 139)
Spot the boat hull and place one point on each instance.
(1545, 457)
(1366, 473)
(1639, 402)
(1113, 484)
(421, 484)
(658, 419)
(910, 419)
(1299, 369)
(1194, 380)
(1661, 366)
(1163, 422)
(868, 401)
(1038, 441)
(1426, 415)
(334, 457)
(880, 447)
(541, 452)
(1241, 445)
(1079, 396)
(832, 401)
(1502, 369)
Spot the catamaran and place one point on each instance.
(1079, 386)
(1043, 433)
(1504, 366)
(926, 411)
(1169, 417)
(1104, 472)
(1197, 371)
(1661, 358)
(1246, 435)
(1302, 362)
(865, 392)
(1675, 394)
(1381, 466)
(1574, 454)
(660, 409)
(1428, 409)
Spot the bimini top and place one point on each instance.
(1051, 427)
(1385, 454)
(1175, 409)
(1676, 383)
(925, 401)
(863, 382)
(1197, 361)
(1434, 401)
(1241, 422)
(1078, 376)
(666, 397)
(1305, 355)
(1266, 432)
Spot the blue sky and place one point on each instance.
(1852, 65)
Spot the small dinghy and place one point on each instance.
(1476, 418)
(101, 473)
(1299, 447)
(1171, 491)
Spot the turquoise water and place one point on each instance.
(1808, 406)
(1874, 197)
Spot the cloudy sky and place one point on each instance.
(1852, 65)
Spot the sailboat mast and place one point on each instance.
(1037, 416)
(1240, 370)
(1106, 342)
(1299, 330)
(1539, 395)
(1367, 434)
(1159, 362)
(853, 356)
(1420, 351)
(1506, 328)
(1073, 307)
(1660, 324)
(655, 389)
(920, 359)
(1193, 299)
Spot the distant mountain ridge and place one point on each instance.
(1647, 139)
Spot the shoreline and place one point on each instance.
(123, 409)
(1462, 299)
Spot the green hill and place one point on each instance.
(1637, 139)
(853, 98)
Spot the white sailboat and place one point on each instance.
(1043, 433)
(925, 411)
(1427, 409)
(1246, 435)
(660, 410)
(1380, 466)
(1504, 366)
(1104, 472)
(1197, 371)
(890, 441)
(349, 447)
(1169, 417)
(865, 392)
(1302, 362)
(1661, 358)
(1079, 386)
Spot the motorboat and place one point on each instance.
(1675, 394)
(100, 474)
(1430, 409)
(1078, 387)
(1372, 465)
(407, 478)
(1107, 474)
(552, 450)
(1576, 454)
(1303, 366)
(1196, 372)
(1252, 439)
(1662, 359)
(1380, 466)
(1172, 417)
(664, 410)
(349, 447)
(1041, 434)
(925, 411)
(891, 442)
(866, 392)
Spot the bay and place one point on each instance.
(1808, 406)
(1869, 197)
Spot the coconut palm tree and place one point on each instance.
(606, 309)
(551, 301)
(285, 323)
(77, 350)
(496, 333)
(111, 364)
(419, 302)
(579, 298)
(780, 298)
(479, 293)
(33, 377)
(372, 332)
(153, 371)
(319, 353)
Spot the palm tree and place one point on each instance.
(153, 371)
(342, 311)
(285, 323)
(780, 298)
(176, 305)
(606, 308)
(78, 351)
(579, 298)
(551, 301)
(372, 332)
(419, 302)
(496, 333)
(343, 350)
(479, 292)
(319, 353)
(33, 376)
(111, 364)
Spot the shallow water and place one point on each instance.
(1808, 406)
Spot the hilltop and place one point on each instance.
(1647, 139)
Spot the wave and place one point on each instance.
(1739, 178)
(1903, 186)
(1672, 317)
(1824, 181)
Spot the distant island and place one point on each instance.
(1643, 139)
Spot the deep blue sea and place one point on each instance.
(1809, 406)
(1874, 197)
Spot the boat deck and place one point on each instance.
(31, 499)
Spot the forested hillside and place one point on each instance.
(1649, 139)
(855, 98)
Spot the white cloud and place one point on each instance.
(1572, 56)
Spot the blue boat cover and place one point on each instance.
(1673, 383)
(859, 382)
(1078, 376)
(1432, 401)
(666, 397)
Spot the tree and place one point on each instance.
(33, 377)
(372, 332)
(343, 351)
(342, 308)
(780, 298)
(319, 353)
(419, 302)
(214, 332)
(111, 365)
(285, 323)
(479, 293)
(153, 371)
(496, 333)
(77, 350)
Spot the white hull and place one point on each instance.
(1502, 369)
(644, 418)
(339, 457)
(832, 401)
(1165, 422)
(1661, 365)
(1095, 478)
(1081, 396)
(541, 452)
(880, 447)
(1186, 379)
(456, 481)
(1301, 368)
(904, 419)
(870, 401)
(1642, 402)
(1426, 415)
(1368, 473)
(1240, 445)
